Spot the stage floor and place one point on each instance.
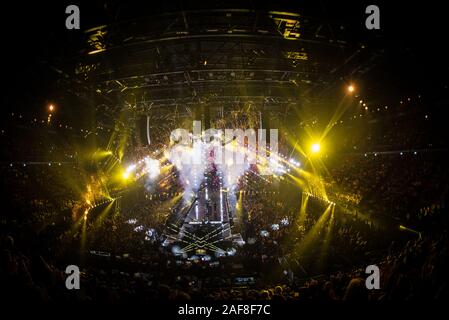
(204, 224)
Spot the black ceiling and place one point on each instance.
(190, 52)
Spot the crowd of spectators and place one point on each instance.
(414, 272)
(396, 185)
(391, 212)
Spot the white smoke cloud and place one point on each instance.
(191, 164)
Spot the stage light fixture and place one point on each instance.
(315, 147)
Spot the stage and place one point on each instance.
(203, 225)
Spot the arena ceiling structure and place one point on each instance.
(215, 59)
(182, 57)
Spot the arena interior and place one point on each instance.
(231, 150)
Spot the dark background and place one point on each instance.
(34, 36)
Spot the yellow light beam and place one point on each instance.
(311, 236)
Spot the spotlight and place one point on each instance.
(152, 167)
(51, 108)
(351, 88)
(315, 147)
(403, 228)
